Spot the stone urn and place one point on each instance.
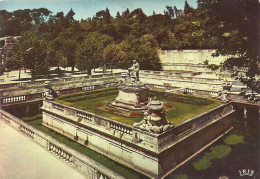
(154, 119)
(156, 111)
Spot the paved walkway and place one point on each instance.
(21, 158)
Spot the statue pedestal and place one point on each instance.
(133, 97)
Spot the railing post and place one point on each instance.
(1, 94)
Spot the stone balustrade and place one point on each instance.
(119, 127)
(27, 132)
(123, 142)
(86, 165)
(39, 96)
(60, 152)
(22, 98)
(59, 81)
(127, 132)
(163, 76)
(204, 118)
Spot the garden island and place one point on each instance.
(146, 130)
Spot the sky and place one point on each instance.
(88, 8)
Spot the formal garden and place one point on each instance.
(178, 107)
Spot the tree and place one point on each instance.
(148, 55)
(69, 50)
(149, 41)
(89, 54)
(187, 8)
(104, 16)
(178, 12)
(15, 60)
(238, 35)
(70, 15)
(125, 13)
(148, 58)
(170, 11)
(33, 52)
(113, 56)
(55, 55)
(118, 15)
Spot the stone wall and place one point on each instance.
(188, 60)
(143, 151)
(86, 165)
(181, 80)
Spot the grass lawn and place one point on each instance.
(185, 111)
(181, 112)
(36, 121)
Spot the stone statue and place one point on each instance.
(134, 71)
(50, 94)
(224, 97)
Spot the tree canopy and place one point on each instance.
(231, 27)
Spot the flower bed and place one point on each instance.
(105, 107)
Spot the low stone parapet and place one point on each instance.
(141, 150)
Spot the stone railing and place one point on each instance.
(86, 165)
(175, 77)
(210, 115)
(22, 98)
(91, 119)
(100, 124)
(29, 97)
(57, 81)
(9, 85)
(128, 133)
(187, 127)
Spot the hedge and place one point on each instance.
(182, 98)
(88, 95)
(85, 93)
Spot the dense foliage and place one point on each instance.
(229, 26)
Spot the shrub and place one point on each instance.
(32, 118)
(86, 93)
(234, 139)
(202, 164)
(182, 98)
(86, 96)
(219, 151)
